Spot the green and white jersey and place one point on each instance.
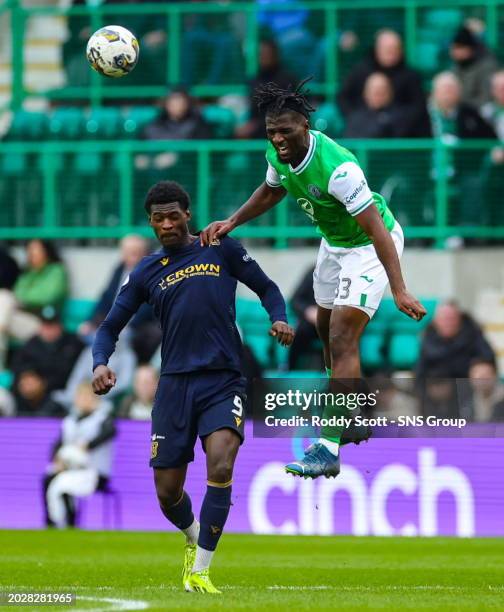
(331, 188)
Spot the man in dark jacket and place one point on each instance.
(387, 58)
(451, 342)
(52, 351)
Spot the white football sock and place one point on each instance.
(192, 532)
(203, 559)
(332, 447)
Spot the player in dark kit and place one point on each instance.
(192, 290)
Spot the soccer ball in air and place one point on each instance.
(113, 51)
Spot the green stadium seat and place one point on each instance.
(404, 350)
(136, 118)
(6, 378)
(221, 119)
(104, 123)
(67, 124)
(328, 119)
(13, 164)
(372, 350)
(28, 126)
(76, 312)
(89, 163)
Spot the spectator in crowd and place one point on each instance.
(145, 331)
(43, 283)
(440, 397)
(270, 69)
(451, 342)
(51, 351)
(303, 304)
(81, 458)
(9, 269)
(493, 111)
(123, 361)
(32, 396)
(379, 116)
(180, 119)
(487, 391)
(473, 65)
(388, 58)
(138, 404)
(452, 118)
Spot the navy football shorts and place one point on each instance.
(190, 405)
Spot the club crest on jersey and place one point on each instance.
(307, 206)
(315, 191)
(164, 261)
(215, 242)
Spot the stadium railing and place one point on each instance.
(213, 47)
(93, 189)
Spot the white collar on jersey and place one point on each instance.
(307, 158)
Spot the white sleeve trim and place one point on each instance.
(272, 177)
(349, 186)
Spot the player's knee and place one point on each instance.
(221, 470)
(168, 495)
(343, 342)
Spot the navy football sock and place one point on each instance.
(180, 514)
(214, 513)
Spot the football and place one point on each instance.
(113, 51)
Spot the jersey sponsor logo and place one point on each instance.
(307, 206)
(355, 192)
(206, 269)
(164, 261)
(315, 191)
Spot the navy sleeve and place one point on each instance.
(128, 301)
(247, 271)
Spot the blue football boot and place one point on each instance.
(317, 461)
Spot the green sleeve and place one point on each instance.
(47, 287)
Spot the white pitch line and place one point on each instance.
(119, 604)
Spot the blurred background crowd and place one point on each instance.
(375, 79)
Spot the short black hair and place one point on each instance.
(273, 100)
(50, 249)
(165, 192)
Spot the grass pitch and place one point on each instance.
(128, 571)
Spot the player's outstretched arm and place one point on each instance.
(372, 223)
(263, 198)
(103, 379)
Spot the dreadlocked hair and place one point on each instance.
(272, 99)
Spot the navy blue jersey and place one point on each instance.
(192, 290)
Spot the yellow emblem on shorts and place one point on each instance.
(153, 450)
(238, 421)
(164, 261)
(215, 242)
